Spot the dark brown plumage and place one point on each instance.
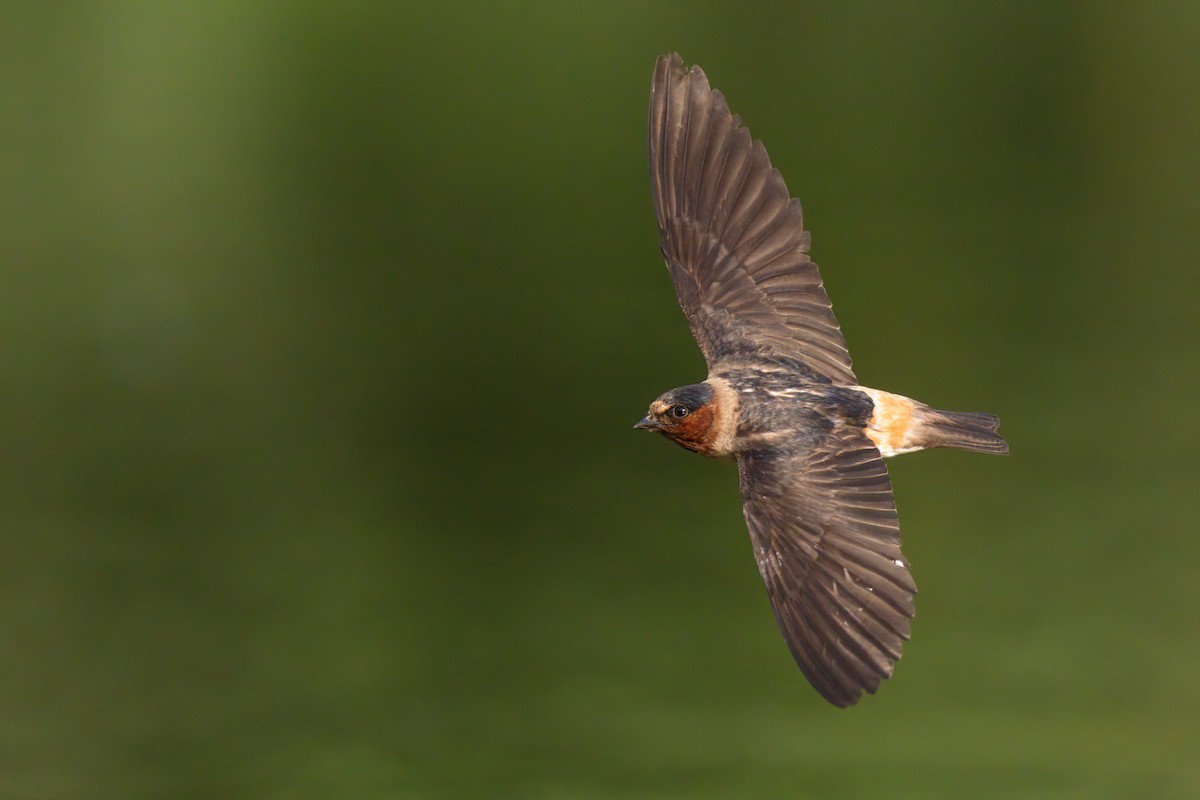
(781, 396)
(732, 236)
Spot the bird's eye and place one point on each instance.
(679, 412)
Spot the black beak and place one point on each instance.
(647, 424)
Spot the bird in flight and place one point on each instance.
(781, 397)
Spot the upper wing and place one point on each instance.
(827, 542)
(733, 238)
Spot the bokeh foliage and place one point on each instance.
(324, 324)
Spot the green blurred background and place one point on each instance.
(324, 326)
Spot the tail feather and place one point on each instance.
(963, 430)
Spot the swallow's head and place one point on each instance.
(689, 416)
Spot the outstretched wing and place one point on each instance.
(733, 238)
(827, 541)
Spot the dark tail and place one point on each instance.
(966, 431)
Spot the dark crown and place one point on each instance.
(693, 397)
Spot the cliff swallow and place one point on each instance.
(781, 398)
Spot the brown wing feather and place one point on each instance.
(827, 541)
(732, 236)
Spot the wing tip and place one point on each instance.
(667, 65)
(669, 68)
